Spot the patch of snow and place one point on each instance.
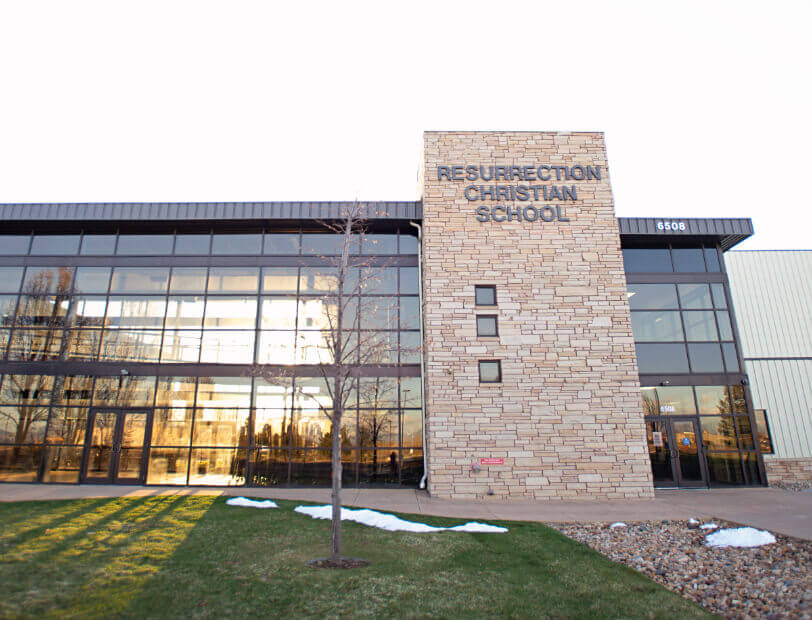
(739, 537)
(708, 526)
(617, 524)
(390, 522)
(693, 521)
(251, 503)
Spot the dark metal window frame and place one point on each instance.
(491, 287)
(495, 318)
(498, 368)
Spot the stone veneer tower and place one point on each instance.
(566, 419)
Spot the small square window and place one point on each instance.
(490, 371)
(485, 295)
(486, 325)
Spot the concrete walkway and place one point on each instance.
(772, 509)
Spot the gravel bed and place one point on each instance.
(806, 485)
(772, 581)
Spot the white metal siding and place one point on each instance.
(772, 300)
(782, 388)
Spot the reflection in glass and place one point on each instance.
(270, 468)
(718, 433)
(411, 466)
(277, 347)
(652, 296)
(185, 312)
(322, 244)
(175, 392)
(280, 280)
(695, 296)
(273, 393)
(8, 304)
(659, 452)
(409, 313)
(140, 280)
(236, 244)
(656, 326)
(98, 245)
(410, 392)
(725, 468)
(705, 357)
(188, 280)
(27, 389)
(227, 347)
(700, 326)
(649, 398)
(764, 438)
(224, 392)
(181, 346)
(74, 390)
(676, 400)
(167, 465)
(737, 398)
(712, 399)
(745, 433)
(136, 312)
(410, 347)
(378, 348)
(227, 428)
(278, 313)
(408, 244)
(35, 344)
(233, 279)
(92, 280)
(217, 467)
(378, 428)
(272, 427)
(19, 463)
(42, 311)
(379, 244)
(379, 313)
(314, 347)
(320, 280)
(378, 392)
(380, 466)
(62, 464)
(127, 391)
(23, 423)
(379, 281)
(48, 280)
(131, 345)
(411, 431)
(67, 425)
(230, 313)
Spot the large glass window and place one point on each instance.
(661, 358)
(55, 245)
(688, 259)
(195, 244)
(656, 326)
(706, 357)
(700, 326)
(652, 296)
(695, 296)
(98, 245)
(236, 244)
(647, 260)
(14, 244)
(140, 280)
(144, 245)
(233, 279)
(10, 279)
(281, 243)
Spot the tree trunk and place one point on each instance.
(335, 549)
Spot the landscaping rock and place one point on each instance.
(771, 581)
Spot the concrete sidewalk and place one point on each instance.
(772, 509)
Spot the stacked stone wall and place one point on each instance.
(789, 472)
(566, 420)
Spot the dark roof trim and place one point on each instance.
(728, 231)
(203, 211)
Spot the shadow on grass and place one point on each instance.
(244, 561)
(93, 563)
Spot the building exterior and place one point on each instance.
(773, 297)
(515, 339)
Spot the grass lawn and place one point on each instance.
(195, 556)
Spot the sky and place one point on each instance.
(706, 106)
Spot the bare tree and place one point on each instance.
(341, 348)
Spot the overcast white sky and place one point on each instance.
(706, 106)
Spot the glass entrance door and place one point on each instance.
(676, 452)
(116, 446)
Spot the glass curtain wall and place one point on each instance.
(264, 299)
(690, 365)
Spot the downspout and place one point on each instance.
(422, 356)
